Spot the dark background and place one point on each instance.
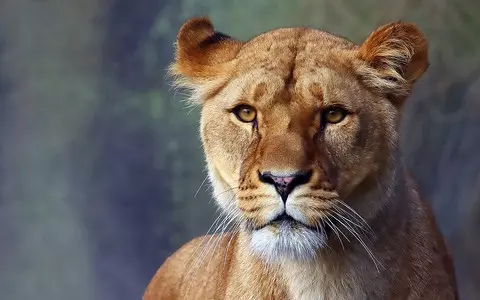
(100, 159)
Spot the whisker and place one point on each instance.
(215, 245)
(357, 215)
(357, 236)
(335, 229)
(201, 258)
(207, 245)
(200, 187)
(227, 190)
(227, 218)
(234, 233)
(339, 213)
(223, 192)
(204, 237)
(364, 233)
(322, 229)
(219, 239)
(214, 236)
(214, 222)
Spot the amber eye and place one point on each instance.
(334, 115)
(245, 113)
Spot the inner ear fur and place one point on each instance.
(201, 52)
(396, 55)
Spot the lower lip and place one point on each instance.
(291, 223)
(294, 223)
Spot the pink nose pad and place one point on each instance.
(282, 180)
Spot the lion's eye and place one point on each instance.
(334, 115)
(245, 113)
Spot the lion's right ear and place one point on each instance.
(202, 54)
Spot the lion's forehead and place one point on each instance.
(302, 48)
(293, 40)
(310, 87)
(285, 62)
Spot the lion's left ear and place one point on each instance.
(396, 55)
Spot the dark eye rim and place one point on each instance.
(325, 111)
(236, 111)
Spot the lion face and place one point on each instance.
(299, 126)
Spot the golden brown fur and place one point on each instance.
(356, 227)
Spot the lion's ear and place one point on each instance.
(202, 53)
(396, 55)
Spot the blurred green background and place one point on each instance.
(100, 160)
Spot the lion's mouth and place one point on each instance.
(285, 220)
(288, 222)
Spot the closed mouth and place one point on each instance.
(285, 220)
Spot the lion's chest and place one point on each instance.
(310, 283)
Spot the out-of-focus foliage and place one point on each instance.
(101, 167)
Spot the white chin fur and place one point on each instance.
(284, 242)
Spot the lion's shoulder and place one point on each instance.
(195, 264)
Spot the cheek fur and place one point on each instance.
(341, 138)
(350, 150)
(226, 143)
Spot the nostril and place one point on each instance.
(301, 178)
(266, 177)
(285, 183)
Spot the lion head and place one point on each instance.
(299, 126)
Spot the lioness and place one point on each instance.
(300, 132)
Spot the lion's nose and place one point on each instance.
(285, 183)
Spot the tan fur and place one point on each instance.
(386, 244)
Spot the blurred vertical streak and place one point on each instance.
(51, 59)
(131, 224)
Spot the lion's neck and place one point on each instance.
(353, 268)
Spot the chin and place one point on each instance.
(287, 241)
